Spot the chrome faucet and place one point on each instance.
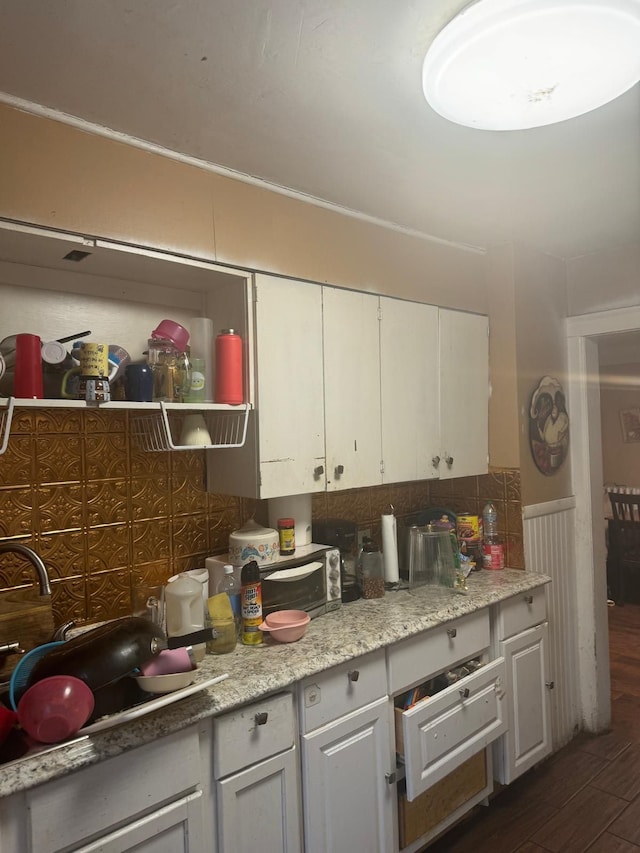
(34, 559)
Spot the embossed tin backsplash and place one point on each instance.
(107, 517)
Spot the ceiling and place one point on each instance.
(324, 97)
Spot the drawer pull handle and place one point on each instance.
(261, 718)
(318, 471)
(451, 633)
(435, 461)
(464, 693)
(449, 460)
(390, 777)
(354, 674)
(339, 469)
(549, 684)
(528, 599)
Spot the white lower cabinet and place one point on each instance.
(347, 759)
(347, 795)
(449, 707)
(522, 639)
(149, 799)
(257, 778)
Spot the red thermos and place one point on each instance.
(28, 370)
(229, 368)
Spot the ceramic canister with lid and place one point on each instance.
(254, 542)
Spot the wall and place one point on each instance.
(604, 280)
(619, 390)
(55, 175)
(504, 435)
(541, 350)
(108, 518)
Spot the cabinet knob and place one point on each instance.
(391, 778)
(318, 471)
(261, 718)
(449, 460)
(464, 693)
(451, 633)
(528, 599)
(435, 461)
(339, 469)
(549, 685)
(353, 674)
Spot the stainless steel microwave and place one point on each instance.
(309, 580)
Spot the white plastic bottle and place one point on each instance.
(230, 584)
(185, 609)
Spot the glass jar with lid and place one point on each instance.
(371, 571)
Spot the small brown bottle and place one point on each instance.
(287, 536)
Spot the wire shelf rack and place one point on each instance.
(163, 430)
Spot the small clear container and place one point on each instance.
(431, 558)
(371, 572)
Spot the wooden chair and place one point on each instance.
(624, 540)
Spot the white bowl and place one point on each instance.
(166, 683)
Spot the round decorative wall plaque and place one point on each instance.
(548, 426)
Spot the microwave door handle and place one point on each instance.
(294, 574)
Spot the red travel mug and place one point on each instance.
(229, 368)
(28, 369)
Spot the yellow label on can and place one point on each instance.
(251, 614)
(468, 527)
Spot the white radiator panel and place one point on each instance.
(549, 540)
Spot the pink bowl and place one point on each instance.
(173, 332)
(286, 618)
(293, 625)
(55, 708)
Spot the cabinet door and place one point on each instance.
(176, 828)
(464, 393)
(352, 388)
(528, 738)
(289, 386)
(348, 802)
(409, 390)
(442, 732)
(259, 808)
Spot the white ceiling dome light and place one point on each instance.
(516, 64)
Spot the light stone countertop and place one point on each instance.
(356, 629)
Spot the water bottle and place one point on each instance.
(230, 584)
(492, 549)
(490, 524)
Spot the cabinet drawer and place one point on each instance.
(252, 733)
(85, 804)
(521, 612)
(440, 733)
(417, 658)
(342, 689)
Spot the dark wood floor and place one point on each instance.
(585, 797)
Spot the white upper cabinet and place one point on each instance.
(409, 390)
(464, 393)
(284, 450)
(352, 388)
(289, 386)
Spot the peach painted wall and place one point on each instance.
(55, 175)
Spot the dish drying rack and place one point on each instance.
(160, 430)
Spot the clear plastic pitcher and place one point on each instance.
(431, 558)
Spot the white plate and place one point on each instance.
(146, 707)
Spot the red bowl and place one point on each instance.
(55, 708)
